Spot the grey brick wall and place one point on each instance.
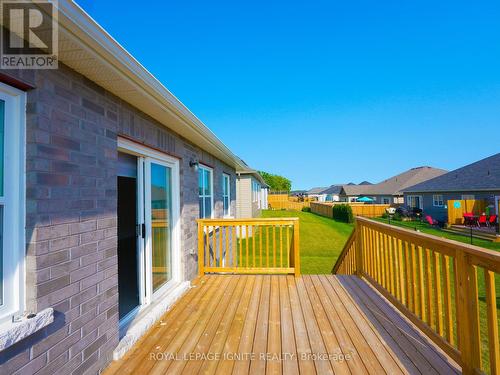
(71, 223)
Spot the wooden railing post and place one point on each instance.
(359, 248)
(296, 248)
(469, 341)
(201, 250)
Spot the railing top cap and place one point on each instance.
(445, 242)
(262, 219)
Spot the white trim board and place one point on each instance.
(14, 203)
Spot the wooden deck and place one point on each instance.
(283, 325)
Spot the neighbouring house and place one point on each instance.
(332, 194)
(477, 181)
(325, 194)
(389, 191)
(104, 174)
(316, 193)
(251, 194)
(351, 192)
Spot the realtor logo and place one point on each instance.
(29, 37)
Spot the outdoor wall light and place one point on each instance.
(194, 164)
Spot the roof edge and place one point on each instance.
(253, 173)
(83, 27)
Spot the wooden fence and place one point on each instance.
(272, 198)
(322, 209)
(284, 202)
(358, 209)
(457, 208)
(249, 246)
(439, 284)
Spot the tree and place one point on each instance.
(276, 182)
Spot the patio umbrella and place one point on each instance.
(365, 199)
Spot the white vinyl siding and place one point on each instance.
(205, 192)
(12, 212)
(248, 198)
(468, 197)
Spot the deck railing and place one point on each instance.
(445, 287)
(249, 246)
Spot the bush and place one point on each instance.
(343, 212)
(306, 209)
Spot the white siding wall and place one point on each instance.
(244, 197)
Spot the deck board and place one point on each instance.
(246, 322)
(404, 331)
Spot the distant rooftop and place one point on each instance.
(395, 185)
(481, 175)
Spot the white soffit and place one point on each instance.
(86, 47)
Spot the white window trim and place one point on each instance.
(14, 201)
(421, 203)
(256, 192)
(434, 200)
(228, 195)
(211, 170)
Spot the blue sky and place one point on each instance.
(327, 92)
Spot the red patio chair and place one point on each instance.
(468, 218)
(492, 220)
(482, 221)
(430, 220)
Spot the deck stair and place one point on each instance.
(476, 233)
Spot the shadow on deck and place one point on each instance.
(281, 324)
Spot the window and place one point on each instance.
(385, 200)
(205, 191)
(437, 200)
(414, 201)
(226, 194)
(12, 156)
(468, 197)
(255, 191)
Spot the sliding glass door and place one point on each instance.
(154, 223)
(160, 200)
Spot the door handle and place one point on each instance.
(141, 230)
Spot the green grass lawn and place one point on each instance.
(321, 240)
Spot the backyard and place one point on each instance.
(321, 240)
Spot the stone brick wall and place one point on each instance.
(71, 224)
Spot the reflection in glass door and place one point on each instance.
(161, 224)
